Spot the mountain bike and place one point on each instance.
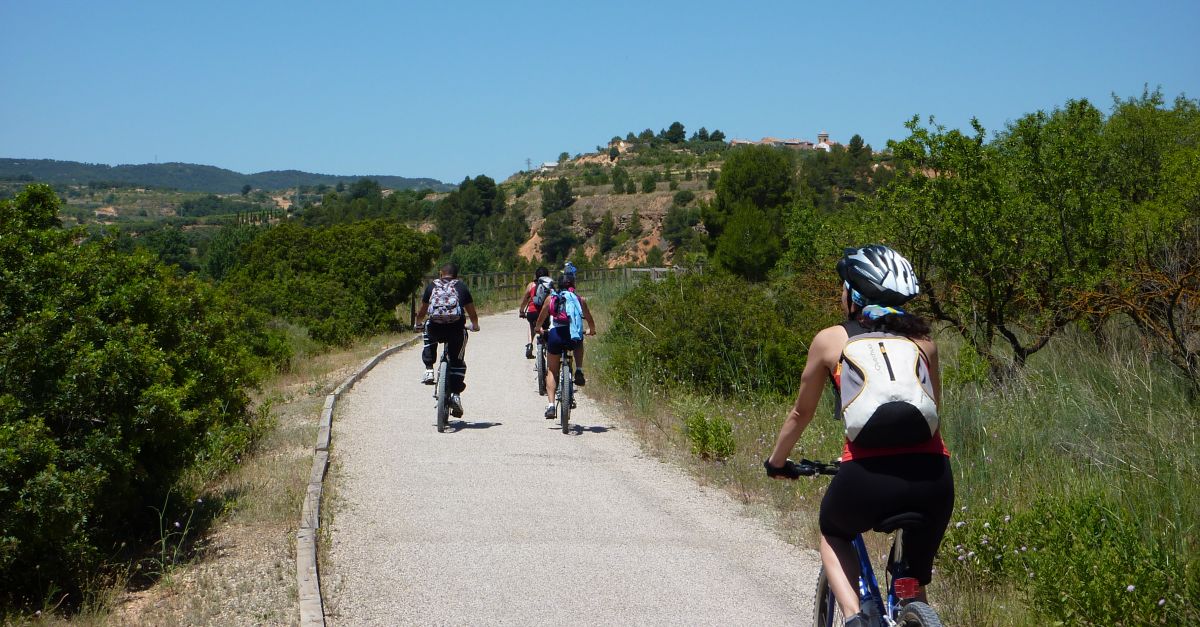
(566, 388)
(897, 607)
(540, 365)
(440, 391)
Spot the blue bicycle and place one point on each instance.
(898, 606)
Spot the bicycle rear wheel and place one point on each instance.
(826, 612)
(918, 614)
(541, 368)
(443, 410)
(566, 390)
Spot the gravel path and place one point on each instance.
(504, 520)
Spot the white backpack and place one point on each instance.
(886, 393)
(443, 302)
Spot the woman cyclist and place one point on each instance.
(873, 482)
(558, 338)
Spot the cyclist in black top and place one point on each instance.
(448, 327)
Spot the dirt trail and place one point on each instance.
(505, 520)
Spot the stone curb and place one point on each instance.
(308, 578)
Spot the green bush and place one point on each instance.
(714, 333)
(710, 437)
(117, 376)
(1081, 559)
(340, 281)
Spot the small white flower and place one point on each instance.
(971, 554)
(177, 525)
(959, 524)
(1129, 588)
(1007, 518)
(987, 525)
(1162, 602)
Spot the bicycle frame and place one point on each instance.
(868, 585)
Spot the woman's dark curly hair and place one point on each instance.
(908, 325)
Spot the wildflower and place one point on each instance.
(971, 554)
(962, 558)
(177, 525)
(1007, 518)
(1022, 548)
(987, 525)
(959, 524)
(1162, 602)
(963, 508)
(1129, 588)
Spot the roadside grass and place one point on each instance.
(241, 568)
(1075, 479)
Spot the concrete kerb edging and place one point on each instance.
(308, 579)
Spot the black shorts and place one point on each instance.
(532, 317)
(866, 491)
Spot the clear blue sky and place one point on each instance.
(461, 88)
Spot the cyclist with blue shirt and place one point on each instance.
(563, 310)
(907, 469)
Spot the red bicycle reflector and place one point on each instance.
(907, 588)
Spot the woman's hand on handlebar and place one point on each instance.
(789, 470)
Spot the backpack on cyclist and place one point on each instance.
(543, 289)
(886, 397)
(443, 302)
(568, 312)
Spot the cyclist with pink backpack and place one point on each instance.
(566, 312)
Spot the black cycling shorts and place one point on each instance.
(866, 491)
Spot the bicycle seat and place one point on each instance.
(900, 521)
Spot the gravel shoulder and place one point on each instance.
(505, 520)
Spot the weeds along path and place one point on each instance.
(503, 519)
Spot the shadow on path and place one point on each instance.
(454, 426)
(581, 429)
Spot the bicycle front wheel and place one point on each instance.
(918, 614)
(566, 390)
(826, 612)
(442, 410)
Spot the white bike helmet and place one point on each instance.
(878, 275)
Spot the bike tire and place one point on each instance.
(918, 614)
(541, 369)
(566, 389)
(826, 611)
(443, 411)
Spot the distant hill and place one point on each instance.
(188, 176)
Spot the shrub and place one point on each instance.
(714, 333)
(710, 437)
(340, 281)
(1081, 559)
(116, 375)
